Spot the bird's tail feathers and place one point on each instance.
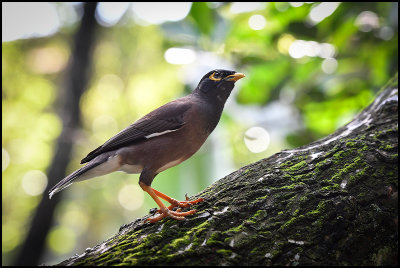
(75, 176)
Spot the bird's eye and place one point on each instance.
(215, 76)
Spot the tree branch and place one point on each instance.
(332, 202)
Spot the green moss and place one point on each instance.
(288, 187)
(257, 251)
(215, 239)
(105, 257)
(365, 148)
(354, 178)
(203, 226)
(262, 197)
(345, 171)
(319, 210)
(286, 164)
(331, 187)
(225, 252)
(267, 234)
(299, 178)
(291, 222)
(297, 166)
(386, 147)
(236, 229)
(296, 212)
(179, 242)
(350, 144)
(355, 163)
(342, 155)
(322, 164)
(260, 214)
(304, 198)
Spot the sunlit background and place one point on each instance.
(310, 67)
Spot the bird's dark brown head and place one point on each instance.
(218, 84)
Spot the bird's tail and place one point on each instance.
(80, 174)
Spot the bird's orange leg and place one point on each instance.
(176, 203)
(164, 211)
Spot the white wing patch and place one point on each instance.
(159, 133)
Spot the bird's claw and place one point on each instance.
(187, 203)
(182, 204)
(177, 215)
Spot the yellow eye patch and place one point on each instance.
(213, 78)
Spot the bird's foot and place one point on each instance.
(175, 203)
(166, 212)
(183, 204)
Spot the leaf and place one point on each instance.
(202, 16)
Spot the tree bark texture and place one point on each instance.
(331, 202)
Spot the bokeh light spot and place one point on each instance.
(323, 10)
(256, 139)
(242, 7)
(386, 33)
(284, 43)
(76, 217)
(301, 48)
(162, 12)
(5, 159)
(367, 20)
(34, 182)
(131, 197)
(176, 55)
(109, 13)
(61, 240)
(257, 22)
(296, 4)
(47, 60)
(329, 65)
(29, 19)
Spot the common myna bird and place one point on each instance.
(161, 139)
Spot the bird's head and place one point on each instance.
(218, 84)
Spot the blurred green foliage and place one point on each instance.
(131, 77)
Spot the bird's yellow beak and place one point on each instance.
(234, 77)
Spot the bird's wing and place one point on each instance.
(167, 118)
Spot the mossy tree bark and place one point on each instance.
(332, 202)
